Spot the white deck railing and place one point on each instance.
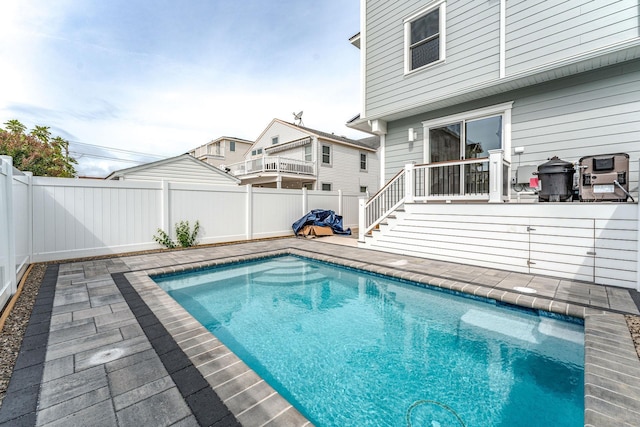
(471, 179)
(272, 164)
(386, 200)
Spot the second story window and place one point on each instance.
(307, 153)
(274, 140)
(363, 162)
(326, 155)
(424, 38)
(232, 146)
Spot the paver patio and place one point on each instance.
(106, 346)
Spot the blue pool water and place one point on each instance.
(348, 348)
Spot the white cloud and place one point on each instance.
(84, 70)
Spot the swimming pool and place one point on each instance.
(351, 348)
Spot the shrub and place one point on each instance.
(184, 236)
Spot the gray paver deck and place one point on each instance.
(107, 365)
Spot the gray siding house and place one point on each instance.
(555, 78)
(469, 98)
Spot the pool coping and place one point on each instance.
(612, 367)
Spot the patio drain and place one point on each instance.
(106, 356)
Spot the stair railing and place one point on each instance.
(385, 201)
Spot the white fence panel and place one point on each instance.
(5, 249)
(22, 220)
(221, 211)
(323, 200)
(75, 218)
(350, 209)
(275, 211)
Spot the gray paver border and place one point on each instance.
(205, 405)
(20, 404)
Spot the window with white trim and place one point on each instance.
(326, 155)
(307, 153)
(326, 186)
(363, 189)
(232, 146)
(424, 34)
(456, 141)
(274, 140)
(363, 161)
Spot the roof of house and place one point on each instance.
(370, 143)
(229, 138)
(182, 158)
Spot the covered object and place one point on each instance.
(321, 218)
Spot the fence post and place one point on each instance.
(11, 233)
(339, 202)
(305, 201)
(361, 224)
(165, 208)
(29, 176)
(495, 176)
(249, 216)
(408, 183)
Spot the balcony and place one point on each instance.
(271, 165)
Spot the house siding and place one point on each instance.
(181, 170)
(472, 54)
(344, 173)
(588, 114)
(592, 242)
(541, 32)
(538, 34)
(283, 132)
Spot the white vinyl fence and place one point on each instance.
(14, 226)
(75, 218)
(48, 219)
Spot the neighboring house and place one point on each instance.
(468, 98)
(286, 155)
(183, 168)
(447, 81)
(224, 150)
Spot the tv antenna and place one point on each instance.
(297, 119)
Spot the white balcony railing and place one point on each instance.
(272, 164)
(470, 179)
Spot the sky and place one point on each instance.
(122, 78)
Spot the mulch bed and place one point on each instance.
(16, 324)
(634, 328)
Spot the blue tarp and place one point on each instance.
(322, 218)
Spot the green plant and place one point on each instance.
(184, 236)
(164, 239)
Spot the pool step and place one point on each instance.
(284, 277)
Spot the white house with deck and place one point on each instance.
(287, 155)
(469, 98)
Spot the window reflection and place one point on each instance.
(481, 136)
(444, 143)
